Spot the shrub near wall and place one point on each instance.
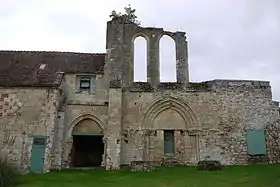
(9, 172)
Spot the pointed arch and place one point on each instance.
(86, 116)
(86, 127)
(163, 104)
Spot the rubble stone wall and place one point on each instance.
(207, 124)
(25, 113)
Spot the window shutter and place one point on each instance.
(256, 144)
(78, 79)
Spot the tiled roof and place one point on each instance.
(22, 68)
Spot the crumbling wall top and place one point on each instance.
(147, 31)
(240, 83)
(129, 20)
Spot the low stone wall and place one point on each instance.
(146, 166)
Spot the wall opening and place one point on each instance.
(87, 150)
(88, 146)
(140, 59)
(167, 59)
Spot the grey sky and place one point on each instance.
(228, 39)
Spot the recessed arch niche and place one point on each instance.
(171, 107)
(87, 126)
(86, 137)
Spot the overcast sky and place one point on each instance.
(228, 39)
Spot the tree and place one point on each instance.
(127, 17)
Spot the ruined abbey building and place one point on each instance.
(63, 110)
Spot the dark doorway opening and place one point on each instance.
(87, 150)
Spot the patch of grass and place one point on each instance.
(9, 172)
(241, 176)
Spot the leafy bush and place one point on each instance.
(210, 165)
(127, 17)
(9, 173)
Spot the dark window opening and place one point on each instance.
(85, 83)
(87, 150)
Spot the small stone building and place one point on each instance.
(63, 110)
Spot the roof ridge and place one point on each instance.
(23, 67)
(62, 52)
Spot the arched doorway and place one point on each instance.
(170, 118)
(88, 146)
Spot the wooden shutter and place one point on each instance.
(256, 144)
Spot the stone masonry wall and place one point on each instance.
(72, 96)
(73, 115)
(209, 118)
(27, 112)
(75, 107)
(273, 141)
(118, 71)
(223, 112)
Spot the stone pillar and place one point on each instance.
(159, 146)
(113, 129)
(194, 148)
(151, 148)
(179, 146)
(182, 69)
(116, 71)
(57, 141)
(188, 148)
(153, 62)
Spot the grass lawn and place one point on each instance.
(255, 175)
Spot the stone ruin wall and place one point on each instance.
(27, 112)
(272, 143)
(75, 107)
(118, 71)
(75, 114)
(223, 110)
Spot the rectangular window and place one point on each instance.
(85, 83)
